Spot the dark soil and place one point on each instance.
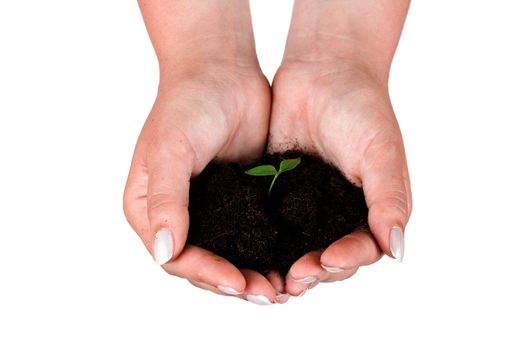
(309, 207)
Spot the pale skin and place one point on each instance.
(330, 96)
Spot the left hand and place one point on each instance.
(343, 114)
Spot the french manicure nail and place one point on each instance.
(306, 280)
(258, 299)
(163, 246)
(397, 243)
(228, 290)
(332, 269)
(282, 297)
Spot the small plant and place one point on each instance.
(269, 170)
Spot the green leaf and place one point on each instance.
(262, 170)
(289, 164)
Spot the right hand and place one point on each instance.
(211, 111)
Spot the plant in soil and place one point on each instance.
(269, 170)
(244, 215)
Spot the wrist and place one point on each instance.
(206, 57)
(356, 34)
(186, 33)
(331, 69)
(326, 54)
(217, 72)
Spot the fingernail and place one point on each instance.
(305, 280)
(332, 269)
(282, 297)
(163, 246)
(397, 243)
(258, 299)
(228, 290)
(302, 293)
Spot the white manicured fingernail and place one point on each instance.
(332, 269)
(302, 293)
(397, 243)
(258, 299)
(163, 246)
(309, 279)
(228, 290)
(282, 297)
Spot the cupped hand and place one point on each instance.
(216, 111)
(342, 113)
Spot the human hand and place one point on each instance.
(330, 97)
(343, 115)
(213, 103)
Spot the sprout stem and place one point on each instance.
(271, 185)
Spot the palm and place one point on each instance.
(336, 115)
(219, 115)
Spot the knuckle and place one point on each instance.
(159, 200)
(127, 205)
(398, 200)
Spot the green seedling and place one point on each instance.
(269, 170)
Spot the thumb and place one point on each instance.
(386, 186)
(169, 174)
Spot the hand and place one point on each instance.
(213, 103)
(210, 112)
(330, 97)
(343, 114)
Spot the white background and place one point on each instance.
(77, 79)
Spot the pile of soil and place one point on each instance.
(309, 207)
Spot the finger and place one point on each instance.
(340, 276)
(169, 173)
(305, 273)
(202, 266)
(282, 298)
(135, 200)
(296, 289)
(258, 289)
(385, 180)
(277, 281)
(211, 288)
(299, 289)
(353, 250)
(307, 269)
